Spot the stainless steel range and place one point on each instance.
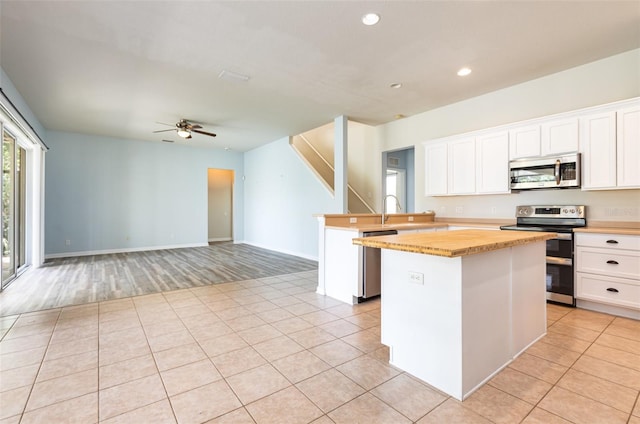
(560, 260)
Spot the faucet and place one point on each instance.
(384, 206)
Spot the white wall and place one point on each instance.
(106, 194)
(281, 196)
(604, 81)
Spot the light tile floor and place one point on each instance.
(272, 351)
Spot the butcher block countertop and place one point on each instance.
(397, 226)
(454, 243)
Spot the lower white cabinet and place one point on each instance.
(608, 269)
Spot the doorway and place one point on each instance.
(220, 204)
(398, 179)
(397, 187)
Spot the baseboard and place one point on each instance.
(110, 251)
(286, 252)
(211, 240)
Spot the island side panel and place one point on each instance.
(529, 295)
(421, 323)
(342, 265)
(486, 316)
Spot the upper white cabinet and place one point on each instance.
(548, 138)
(628, 147)
(462, 166)
(598, 147)
(610, 146)
(559, 136)
(468, 165)
(524, 142)
(436, 169)
(492, 163)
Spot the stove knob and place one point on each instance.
(573, 211)
(565, 210)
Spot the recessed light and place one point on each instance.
(463, 72)
(371, 19)
(396, 85)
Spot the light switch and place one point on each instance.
(353, 220)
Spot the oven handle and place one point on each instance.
(559, 261)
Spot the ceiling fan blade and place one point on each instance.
(204, 132)
(172, 129)
(194, 126)
(168, 141)
(169, 125)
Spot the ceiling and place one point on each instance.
(117, 68)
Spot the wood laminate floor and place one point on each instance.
(87, 279)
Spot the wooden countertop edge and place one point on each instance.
(413, 247)
(608, 230)
(385, 227)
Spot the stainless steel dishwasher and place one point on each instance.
(371, 275)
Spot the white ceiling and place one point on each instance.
(115, 68)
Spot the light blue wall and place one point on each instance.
(281, 196)
(107, 194)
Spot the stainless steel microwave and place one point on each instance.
(561, 171)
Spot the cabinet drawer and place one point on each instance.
(610, 241)
(615, 291)
(618, 263)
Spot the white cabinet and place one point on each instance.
(436, 169)
(469, 165)
(492, 163)
(559, 136)
(628, 147)
(548, 138)
(608, 270)
(462, 166)
(524, 142)
(610, 146)
(598, 147)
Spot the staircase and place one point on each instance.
(325, 172)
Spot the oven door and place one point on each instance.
(561, 246)
(560, 280)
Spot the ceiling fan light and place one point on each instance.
(184, 133)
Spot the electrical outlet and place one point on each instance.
(353, 220)
(410, 219)
(459, 209)
(494, 210)
(67, 242)
(416, 277)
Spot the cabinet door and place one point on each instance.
(560, 136)
(598, 147)
(436, 169)
(462, 166)
(524, 142)
(628, 147)
(492, 163)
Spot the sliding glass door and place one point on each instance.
(13, 207)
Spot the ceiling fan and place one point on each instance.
(184, 128)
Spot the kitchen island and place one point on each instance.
(458, 306)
